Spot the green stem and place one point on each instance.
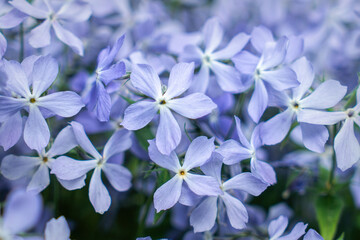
(333, 163)
(21, 52)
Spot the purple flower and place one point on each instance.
(15, 167)
(40, 77)
(326, 95)
(197, 155)
(266, 71)
(70, 11)
(234, 152)
(203, 217)
(139, 114)
(227, 76)
(346, 145)
(66, 168)
(57, 229)
(98, 99)
(277, 228)
(313, 235)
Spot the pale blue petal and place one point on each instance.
(280, 79)
(326, 95)
(245, 62)
(305, 75)
(119, 142)
(27, 8)
(236, 44)
(67, 168)
(346, 146)
(44, 74)
(246, 182)
(118, 176)
(195, 105)
(83, 140)
(168, 134)
(312, 235)
(15, 167)
(57, 229)
(144, 78)
(295, 233)
(259, 37)
(139, 114)
(10, 106)
(263, 171)
(3, 45)
(314, 136)
(170, 161)
(320, 117)
(12, 19)
(40, 179)
(233, 152)
(168, 194)
(228, 78)
(40, 36)
(199, 152)
(74, 184)
(64, 142)
(36, 131)
(68, 38)
(295, 48)
(236, 211)
(258, 102)
(75, 11)
(203, 217)
(64, 104)
(241, 136)
(114, 72)
(213, 34)
(203, 185)
(181, 76)
(201, 80)
(274, 53)
(275, 129)
(187, 197)
(11, 131)
(277, 227)
(98, 194)
(16, 77)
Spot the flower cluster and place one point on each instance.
(192, 121)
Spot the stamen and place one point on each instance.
(182, 172)
(32, 100)
(162, 102)
(45, 159)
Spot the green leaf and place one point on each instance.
(143, 135)
(128, 100)
(342, 237)
(328, 210)
(158, 216)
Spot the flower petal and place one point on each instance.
(170, 161)
(280, 79)
(213, 34)
(203, 185)
(119, 142)
(274, 53)
(228, 77)
(11, 131)
(314, 136)
(44, 74)
(320, 117)
(245, 62)
(192, 106)
(201, 80)
(203, 217)
(16, 77)
(312, 235)
(64, 142)
(75, 11)
(296, 232)
(233, 152)
(11, 19)
(15, 167)
(277, 227)
(168, 134)
(27, 8)
(67, 168)
(199, 152)
(36, 131)
(40, 180)
(168, 194)
(260, 36)
(57, 229)
(236, 44)
(305, 75)
(114, 72)
(83, 140)
(144, 78)
(326, 95)
(246, 182)
(98, 194)
(181, 76)
(275, 129)
(346, 146)
(68, 38)
(236, 211)
(74, 184)
(139, 114)
(3, 45)
(40, 36)
(263, 171)
(258, 102)
(118, 176)
(64, 104)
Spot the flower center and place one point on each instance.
(350, 113)
(182, 173)
(32, 100)
(45, 159)
(162, 102)
(295, 105)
